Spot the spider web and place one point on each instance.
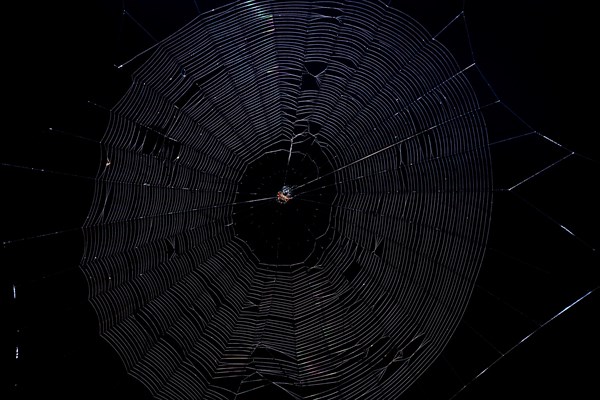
(184, 300)
(190, 311)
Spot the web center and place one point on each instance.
(283, 221)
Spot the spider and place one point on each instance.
(284, 195)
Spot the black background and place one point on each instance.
(60, 56)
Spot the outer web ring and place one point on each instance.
(179, 295)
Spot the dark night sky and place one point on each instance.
(62, 56)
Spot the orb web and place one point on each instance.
(157, 281)
(295, 201)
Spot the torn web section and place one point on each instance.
(188, 84)
(173, 121)
(162, 130)
(329, 67)
(291, 21)
(147, 167)
(324, 23)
